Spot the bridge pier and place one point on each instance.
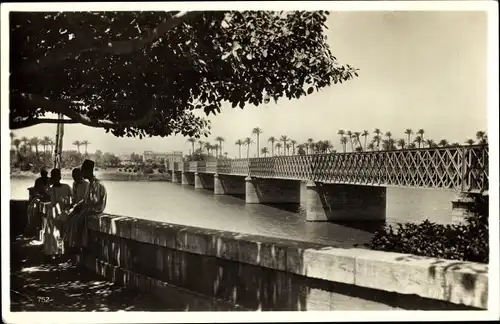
(175, 177)
(341, 202)
(462, 206)
(280, 191)
(228, 185)
(187, 178)
(203, 181)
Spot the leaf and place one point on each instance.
(310, 90)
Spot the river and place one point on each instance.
(173, 203)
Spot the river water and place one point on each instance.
(173, 203)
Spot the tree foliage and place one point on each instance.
(147, 73)
(464, 242)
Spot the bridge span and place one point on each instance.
(343, 186)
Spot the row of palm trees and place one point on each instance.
(379, 141)
(389, 143)
(84, 143)
(25, 146)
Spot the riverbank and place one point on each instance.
(110, 175)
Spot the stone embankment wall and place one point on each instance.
(252, 272)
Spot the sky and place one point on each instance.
(416, 70)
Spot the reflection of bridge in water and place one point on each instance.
(341, 186)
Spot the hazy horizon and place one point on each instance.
(417, 70)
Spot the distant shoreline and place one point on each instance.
(101, 175)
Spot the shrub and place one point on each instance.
(464, 242)
(148, 170)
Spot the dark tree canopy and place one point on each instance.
(145, 73)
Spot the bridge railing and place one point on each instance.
(234, 167)
(201, 166)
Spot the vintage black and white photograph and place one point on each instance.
(258, 158)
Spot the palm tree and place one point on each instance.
(47, 141)
(430, 143)
(216, 147)
(85, 143)
(301, 148)
(25, 141)
(44, 144)
(343, 141)
(35, 142)
(409, 132)
(377, 139)
(412, 145)
(305, 147)
(257, 131)
(314, 147)
(248, 141)
(470, 141)
(279, 146)
(220, 139)
(421, 132)
(310, 143)
(356, 137)
(341, 133)
(349, 134)
(272, 140)
(208, 147)
(388, 144)
(51, 143)
(239, 143)
(327, 146)
(481, 137)
(371, 146)
(443, 143)
(284, 139)
(418, 139)
(287, 147)
(77, 144)
(264, 151)
(365, 134)
(401, 143)
(201, 144)
(16, 142)
(388, 134)
(192, 141)
(293, 142)
(377, 131)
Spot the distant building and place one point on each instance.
(175, 156)
(125, 159)
(150, 156)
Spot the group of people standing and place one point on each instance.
(64, 222)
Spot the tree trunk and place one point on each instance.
(258, 145)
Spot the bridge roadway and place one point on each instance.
(343, 186)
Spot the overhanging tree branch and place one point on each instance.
(36, 121)
(116, 47)
(64, 107)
